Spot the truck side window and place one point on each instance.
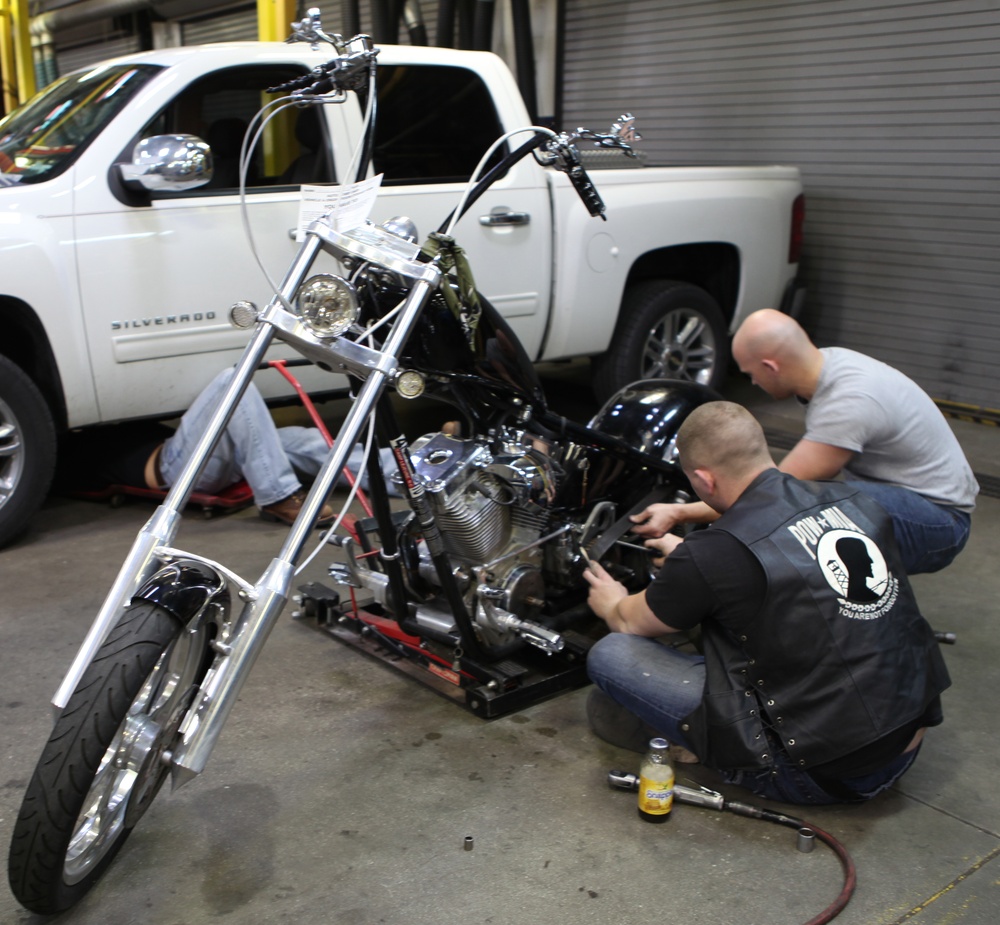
(434, 123)
(219, 107)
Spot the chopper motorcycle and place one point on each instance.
(476, 576)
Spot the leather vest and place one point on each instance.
(838, 657)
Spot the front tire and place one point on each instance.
(27, 449)
(666, 330)
(103, 763)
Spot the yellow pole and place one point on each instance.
(274, 24)
(274, 19)
(7, 66)
(24, 64)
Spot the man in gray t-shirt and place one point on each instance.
(863, 419)
(894, 431)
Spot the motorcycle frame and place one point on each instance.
(264, 600)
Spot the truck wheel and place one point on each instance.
(27, 449)
(666, 330)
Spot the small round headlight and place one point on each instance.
(327, 305)
(243, 314)
(410, 384)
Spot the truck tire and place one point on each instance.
(27, 449)
(666, 330)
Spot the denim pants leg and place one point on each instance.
(655, 682)
(662, 686)
(789, 784)
(929, 535)
(250, 447)
(307, 450)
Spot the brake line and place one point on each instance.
(712, 800)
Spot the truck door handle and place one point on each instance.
(500, 217)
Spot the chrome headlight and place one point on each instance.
(243, 314)
(327, 305)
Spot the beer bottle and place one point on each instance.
(656, 783)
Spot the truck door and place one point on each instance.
(435, 122)
(158, 273)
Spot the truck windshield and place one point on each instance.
(44, 136)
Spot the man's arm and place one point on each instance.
(659, 519)
(811, 460)
(623, 612)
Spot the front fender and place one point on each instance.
(184, 588)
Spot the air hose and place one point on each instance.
(713, 800)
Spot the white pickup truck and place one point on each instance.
(113, 299)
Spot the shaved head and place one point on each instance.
(770, 334)
(774, 350)
(725, 438)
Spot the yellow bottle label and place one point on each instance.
(656, 796)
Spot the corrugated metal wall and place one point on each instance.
(239, 26)
(891, 111)
(71, 57)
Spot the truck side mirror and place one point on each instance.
(168, 163)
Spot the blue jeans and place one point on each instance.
(929, 535)
(251, 447)
(663, 686)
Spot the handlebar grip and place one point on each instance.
(587, 191)
(343, 73)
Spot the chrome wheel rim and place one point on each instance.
(135, 762)
(11, 453)
(680, 345)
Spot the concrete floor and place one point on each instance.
(341, 791)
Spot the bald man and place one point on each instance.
(819, 675)
(863, 419)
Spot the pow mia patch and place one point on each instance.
(851, 563)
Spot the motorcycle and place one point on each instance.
(475, 576)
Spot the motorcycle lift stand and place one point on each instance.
(487, 690)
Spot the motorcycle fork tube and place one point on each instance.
(141, 563)
(265, 603)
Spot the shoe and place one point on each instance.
(680, 755)
(610, 721)
(286, 510)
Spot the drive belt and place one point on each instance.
(620, 527)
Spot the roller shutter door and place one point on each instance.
(889, 109)
(238, 26)
(70, 59)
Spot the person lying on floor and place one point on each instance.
(253, 447)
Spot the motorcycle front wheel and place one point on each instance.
(105, 760)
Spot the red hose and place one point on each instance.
(850, 876)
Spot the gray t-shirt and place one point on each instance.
(896, 432)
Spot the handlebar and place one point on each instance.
(562, 154)
(354, 68)
(345, 72)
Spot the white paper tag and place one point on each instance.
(347, 206)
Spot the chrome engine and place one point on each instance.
(492, 504)
(488, 505)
